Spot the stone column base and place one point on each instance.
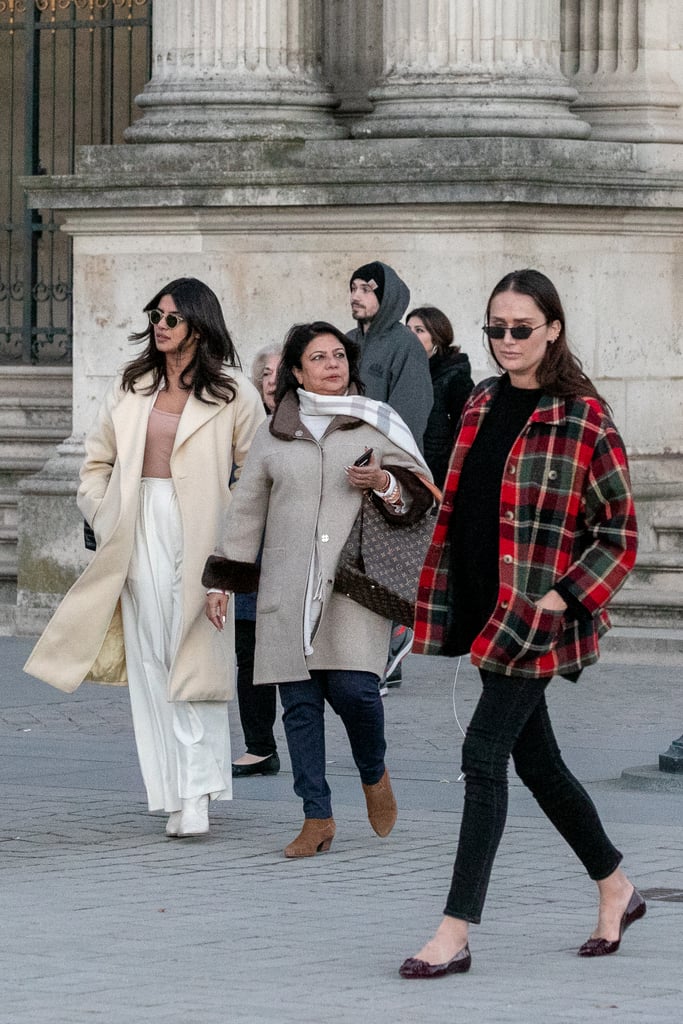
(51, 551)
(512, 106)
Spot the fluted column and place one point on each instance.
(352, 31)
(241, 69)
(472, 67)
(617, 53)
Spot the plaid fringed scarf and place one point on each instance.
(376, 414)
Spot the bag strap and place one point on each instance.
(436, 493)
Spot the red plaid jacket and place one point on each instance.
(566, 514)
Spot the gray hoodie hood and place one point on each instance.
(394, 304)
(393, 364)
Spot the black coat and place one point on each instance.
(452, 383)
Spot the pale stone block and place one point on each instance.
(618, 288)
(654, 416)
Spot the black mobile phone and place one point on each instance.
(363, 459)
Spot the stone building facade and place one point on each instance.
(284, 142)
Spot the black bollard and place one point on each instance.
(672, 760)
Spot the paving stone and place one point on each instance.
(105, 920)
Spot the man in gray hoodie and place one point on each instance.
(394, 366)
(395, 370)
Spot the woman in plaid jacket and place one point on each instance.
(535, 535)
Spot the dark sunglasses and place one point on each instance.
(497, 332)
(172, 319)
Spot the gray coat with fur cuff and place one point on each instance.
(294, 493)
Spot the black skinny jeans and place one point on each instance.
(512, 718)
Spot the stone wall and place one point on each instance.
(467, 143)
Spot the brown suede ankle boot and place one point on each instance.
(315, 837)
(382, 809)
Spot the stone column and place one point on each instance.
(472, 67)
(617, 54)
(245, 69)
(353, 58)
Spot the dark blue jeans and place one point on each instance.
(511, 718)
(354, 696)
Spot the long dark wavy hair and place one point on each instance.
(439, 326)
(560, 373)
(203, 316)
(295, 344)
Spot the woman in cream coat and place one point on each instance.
(155, 487)
(301, 492)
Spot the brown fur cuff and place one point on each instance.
(225, 574)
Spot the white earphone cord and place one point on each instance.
(455, 710)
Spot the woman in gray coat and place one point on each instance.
(301, 492)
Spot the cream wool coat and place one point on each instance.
(296, 489)
(210, 438)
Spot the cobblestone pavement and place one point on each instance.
(105, 920)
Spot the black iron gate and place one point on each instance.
(69, 73)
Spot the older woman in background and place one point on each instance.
(257, 704)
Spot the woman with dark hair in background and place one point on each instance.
(300, 492)
(451, 381)
(155, 487)
(535, 534)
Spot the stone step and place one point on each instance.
(18, 460)
(36, 382)
(26, 436)
(661, 570)
(643, 645)
(8, 618)
(8, 552)
(18, 413)
(669, 531)
(35, 417)
(8, 509)
(647, 607)
(8, 572)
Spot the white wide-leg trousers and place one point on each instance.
(183, 746)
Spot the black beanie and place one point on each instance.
(371, 272)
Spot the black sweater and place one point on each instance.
(474, 524)
(452, 383)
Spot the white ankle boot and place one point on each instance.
(194, 817)
(173, 824)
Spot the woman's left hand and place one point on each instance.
(216, 609)
(369, 478)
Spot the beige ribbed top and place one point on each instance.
(161, 431)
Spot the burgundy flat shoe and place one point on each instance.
(603, 947)
(412, 968)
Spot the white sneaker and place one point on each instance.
(401, 643)
(194, 817)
